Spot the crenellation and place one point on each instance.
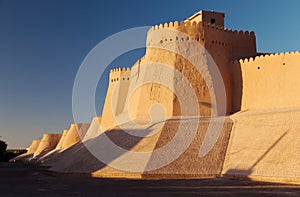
(187, 24)
(234, 51)
(272, 55)
(176, 24)
(263, 86)
(241, 33)
(117, 73)
(198, 27)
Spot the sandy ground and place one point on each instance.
(17, 179)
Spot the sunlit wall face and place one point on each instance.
(42, 44)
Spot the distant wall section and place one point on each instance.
(119, 81)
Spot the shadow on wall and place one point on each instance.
(78, 158)
(247, 172)
(237, 86)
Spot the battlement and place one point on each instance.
(119, 69)
(197, 31)
(226, 30)
(265, 56)
(199, 18)
(267, 80)
(181, 26)
(117, 74)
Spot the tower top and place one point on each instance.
(212, 17)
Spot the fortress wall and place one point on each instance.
(190, 164)
(68, 139)
(225, 45)
(186, 164)
(34, 145)
(194, 30)
(164, 52)
(143, 95)
(85, 162)
(236, 84)
(116, 94)
(47, 143)
(25, 157)
(222, 44)
(93, 129)
(243, 45)
(217, 41)
(264, 145)
(62, 139)
(122, 91)
(82, 130)
(72, 136)
(268, 81)
(236, 44)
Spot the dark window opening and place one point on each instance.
(213, 21)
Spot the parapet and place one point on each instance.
(197, 31)
(119, 70)
(265, 56)
(197, 25)
(121, 74)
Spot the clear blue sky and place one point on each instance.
(43, 42)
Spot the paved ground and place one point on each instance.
(20, 180)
